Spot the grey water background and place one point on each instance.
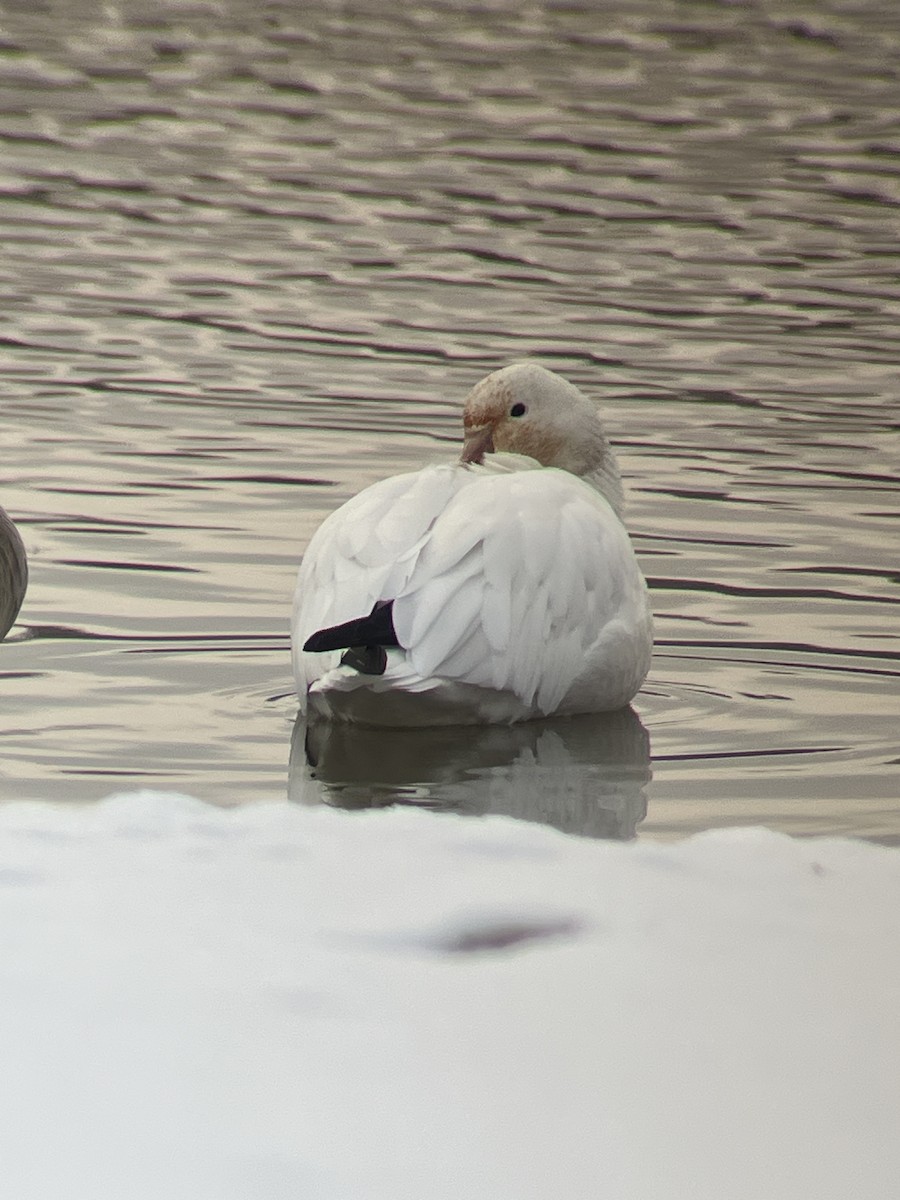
(253, 257)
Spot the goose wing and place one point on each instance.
(520, 581)
(362, 553)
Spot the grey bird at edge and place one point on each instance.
(13, 573)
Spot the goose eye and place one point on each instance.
(517, 410)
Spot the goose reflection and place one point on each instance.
(583, 774)
(13, 573)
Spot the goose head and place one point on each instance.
(526, 409)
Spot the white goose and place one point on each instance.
(499, 588)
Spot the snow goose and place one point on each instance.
(499, 588)
(13, 573)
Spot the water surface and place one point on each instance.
(253, 260)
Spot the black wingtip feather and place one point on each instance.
(368, 660)
(377, 629)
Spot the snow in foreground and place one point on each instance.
(276, 1002)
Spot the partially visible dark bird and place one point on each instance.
(13, 573)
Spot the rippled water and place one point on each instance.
(254, 258)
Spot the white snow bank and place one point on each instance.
(276, 1002)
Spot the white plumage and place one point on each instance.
(514, 588)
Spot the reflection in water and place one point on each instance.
(582, 774)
